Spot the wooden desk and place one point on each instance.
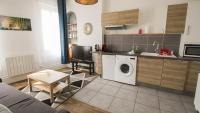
(48, 80)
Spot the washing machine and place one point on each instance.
(125, 69)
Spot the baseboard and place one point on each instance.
(9, 80)
(14, 79)
(54, 67)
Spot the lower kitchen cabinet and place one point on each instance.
(191, 83)
(97, 58)
(174, 74)
(149, 70)
(168, 73)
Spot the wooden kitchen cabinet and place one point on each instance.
(193, 70)
(127, 17)
(97, 58)
(149, 70)
(176, 18)
(174, 74)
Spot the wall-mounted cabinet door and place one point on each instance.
(191, 83)
(149, 70)
(176, 18)
(174, 74)
(121, 18)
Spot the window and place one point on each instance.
(51, 50)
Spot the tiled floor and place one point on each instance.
(121, 98)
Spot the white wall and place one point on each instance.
(18, 43)
(153, 13)
(191, 35)
(85, 14)
(14, 43)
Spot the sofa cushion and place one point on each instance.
(19, 102)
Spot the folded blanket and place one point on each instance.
(4, 109)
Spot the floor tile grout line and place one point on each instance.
(183, 104)
(148, 105)
(94, 91)
(113, 98)
(120, 98)
(137, 93)
(180, 100)
(98, 92)
(157, 93)
(159, 103)
(91, 98)
(106, 94)
(135, 100)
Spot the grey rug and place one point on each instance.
(61, 98)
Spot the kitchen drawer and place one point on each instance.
(174, 74)
(191, 83)
(149, 70)
(152, 81)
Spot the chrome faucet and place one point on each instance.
(155, 43)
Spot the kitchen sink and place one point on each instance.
(149, 54)
(157, 55)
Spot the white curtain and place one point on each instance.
(50, 53)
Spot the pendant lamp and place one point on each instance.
(87, 2)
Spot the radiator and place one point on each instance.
(3, 70)
(20, 65)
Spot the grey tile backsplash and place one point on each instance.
(125, 43)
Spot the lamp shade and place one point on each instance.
(87, 2)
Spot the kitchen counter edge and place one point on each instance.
(138, 55)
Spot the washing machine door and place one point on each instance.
(125, 68)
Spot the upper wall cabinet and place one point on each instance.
(121, 18)
(176, 18)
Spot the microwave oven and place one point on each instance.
(192, 50)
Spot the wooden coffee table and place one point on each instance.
(48, 80)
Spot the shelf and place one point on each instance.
(146, 34)
(71, 24)
(72, 30)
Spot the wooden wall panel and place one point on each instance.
(121, 18)
(176, 18)
(97, 58)
(149, 70)
(174, 74)
(191, 83)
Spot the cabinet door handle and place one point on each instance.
(132, 58)
(188, 29)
